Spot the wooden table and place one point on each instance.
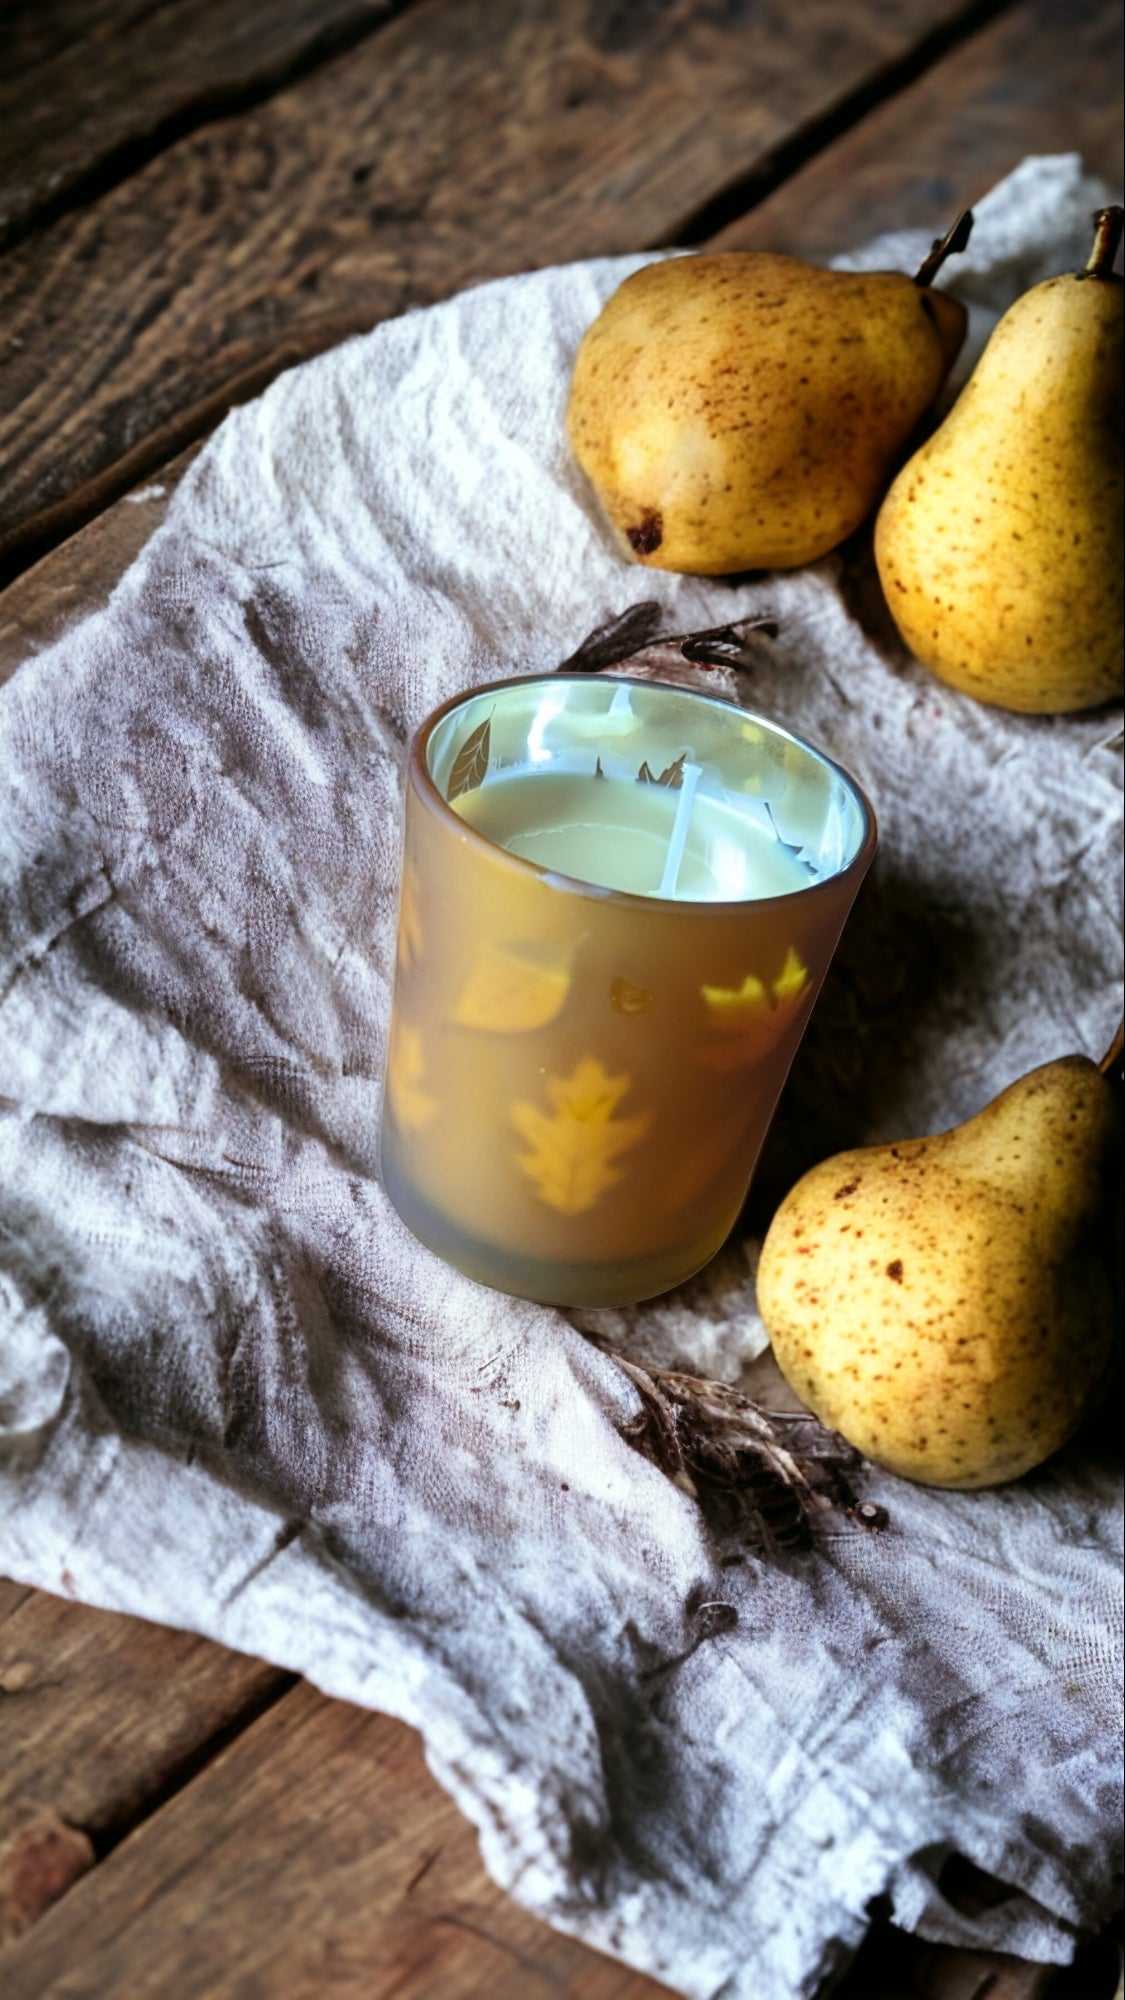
(194, 195)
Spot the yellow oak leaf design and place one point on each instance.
(672, 776)
(751, 1018)
(572, 1152)
(731, 1006)
(512, 991)
(409, 919)
(792, 980)
(411, 1103)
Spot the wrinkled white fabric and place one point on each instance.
(237, 1396)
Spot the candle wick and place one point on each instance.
(678, 841)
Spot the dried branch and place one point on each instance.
(607, 644)
(630, 643)
(777, 1473)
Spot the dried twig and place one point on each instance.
(778, 1473)
(631, 641)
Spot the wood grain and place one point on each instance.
(315, 1855)
(1045, 78)
(86, 85)
(99, 1716)
(77, 578)
(468, 139)
(12, 1595)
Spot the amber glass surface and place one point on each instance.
(579, 1079)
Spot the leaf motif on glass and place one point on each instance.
(409, 919)
(470, 766)
(750, 1019)
(411, 1103)
(573, 1149)
(512, 991)
(671, 776)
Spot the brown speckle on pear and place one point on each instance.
(978, 1288)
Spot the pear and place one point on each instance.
(999, 544)
(746, 410)
(944, 1302)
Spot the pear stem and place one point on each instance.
(1107, 235)
(945, 246)
(1111, 1062)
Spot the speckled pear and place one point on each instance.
(746, 411)
(999, 544)
(945, 1303)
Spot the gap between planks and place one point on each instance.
(103, 1719)
(432, 156)
(201, 63)
(734, 203)
(317, 1854)
(42, 596)
(1032, 80)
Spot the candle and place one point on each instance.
(618, 902)
(645, 838)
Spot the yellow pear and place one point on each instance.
(999, 544)
(944, 1303)
(746, 410)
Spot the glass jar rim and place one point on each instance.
(420, 775)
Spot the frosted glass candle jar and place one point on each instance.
(618, 902)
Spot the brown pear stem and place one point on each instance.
(1111, 1063)
(1107, 235)
(945, 246)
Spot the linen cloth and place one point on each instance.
(238, 1397)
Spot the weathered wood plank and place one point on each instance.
(468, 139)
(313, 1855)
(317, 1854)
(86, 569)
(79, 1728)
(12, 1595)
(100, 1716)
(85, 85)
(77, 578)
(1045, 78)
(314, 1852)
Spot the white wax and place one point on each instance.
(616, 832)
